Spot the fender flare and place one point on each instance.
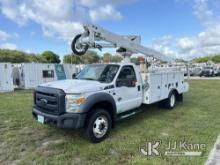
(97, 98)
(173, 90)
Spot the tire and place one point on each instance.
(170, 102)
(74, 49)
(98, 126)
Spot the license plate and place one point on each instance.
(40, 119)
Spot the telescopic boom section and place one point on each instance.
(96, 37)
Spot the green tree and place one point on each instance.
(50, 57)
(135, 60)
(106, 57)
(216, 59)
(112, 58)
(15, 56)
(180, 60)
(116, 58)
(89, 58)
(202, 59)
(72, 59)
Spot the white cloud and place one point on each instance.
(88, 3)
(164, 45)
(28, 51)
(207, 42)
(104, 12)
(4, 35)
(203, 12)
(61, 18)
(163, 41)
(95, 3)
(8, 46)
(186, 43)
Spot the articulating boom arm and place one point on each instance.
(128, 45)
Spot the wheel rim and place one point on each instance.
(80, 48)
(100, 126)
(172, 100)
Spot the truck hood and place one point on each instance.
(76, 86)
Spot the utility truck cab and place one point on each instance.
(101, 94)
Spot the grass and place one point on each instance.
(24, 141)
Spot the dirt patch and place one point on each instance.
(26, 131)
(46, 143)
(52, 142)
(164, 134)
(113, 152)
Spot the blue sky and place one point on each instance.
(177, 28)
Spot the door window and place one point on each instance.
(126, 77)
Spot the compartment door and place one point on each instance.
(155, 83)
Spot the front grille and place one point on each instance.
(49, 100)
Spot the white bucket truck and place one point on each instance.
(101, 94)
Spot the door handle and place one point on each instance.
(139, 88)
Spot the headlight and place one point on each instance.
(73, 102)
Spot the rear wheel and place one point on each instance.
(170, 102)
(98, 126)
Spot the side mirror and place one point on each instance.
(74, 76)
(132, 80)
(119, 83)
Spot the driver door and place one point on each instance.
(128, 93)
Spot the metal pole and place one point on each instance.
(188, 72)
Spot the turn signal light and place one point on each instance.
(80, 100)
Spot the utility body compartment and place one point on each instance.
(158, 83)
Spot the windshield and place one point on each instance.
(101, 72)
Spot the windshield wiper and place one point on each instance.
(101, 81)
(89, 79)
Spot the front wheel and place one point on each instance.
(98, 125)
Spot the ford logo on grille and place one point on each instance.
(43, 101)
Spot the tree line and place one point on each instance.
(15, 56)
(215, 59)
